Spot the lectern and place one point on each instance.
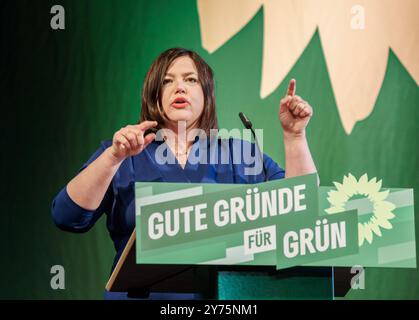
(223, 281)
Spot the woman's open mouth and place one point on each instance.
(179, 103)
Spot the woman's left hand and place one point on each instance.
(294, 112)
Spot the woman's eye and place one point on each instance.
(192, 80)
(166, 81)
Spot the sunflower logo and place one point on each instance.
(351, 189)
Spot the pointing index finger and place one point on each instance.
(144, 126)
(292, 87)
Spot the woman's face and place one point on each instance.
(182, 95)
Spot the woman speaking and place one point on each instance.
(178, 102)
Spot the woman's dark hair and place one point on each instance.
(151, 98)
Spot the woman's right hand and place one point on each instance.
(130, 140)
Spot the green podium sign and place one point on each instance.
(282, 223)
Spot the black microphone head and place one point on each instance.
(246, 122)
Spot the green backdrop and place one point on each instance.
(64, 91)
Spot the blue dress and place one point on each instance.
(227, 164)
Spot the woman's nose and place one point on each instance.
(180, 87)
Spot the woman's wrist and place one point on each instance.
(112, 159)
(294, 137)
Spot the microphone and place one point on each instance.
(248, 125)
(246, 122)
